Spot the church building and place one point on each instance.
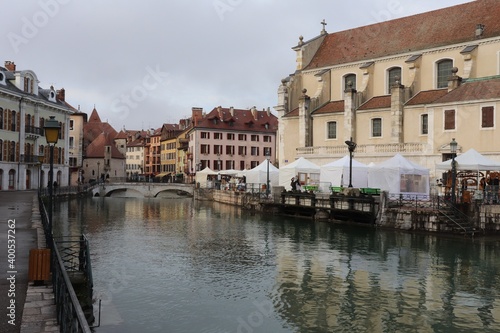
(409, 85)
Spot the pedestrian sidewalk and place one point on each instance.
(39, 314)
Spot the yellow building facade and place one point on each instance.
(405, 86)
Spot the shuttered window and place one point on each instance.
(487, 117)
(449, 119)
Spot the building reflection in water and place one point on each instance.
(386, 282)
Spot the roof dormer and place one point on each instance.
(3, 80)
(52, 95)
(27, 82)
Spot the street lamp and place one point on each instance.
(268, 155)
(98, 175)
(40, 162)
(351, 145)
(453, 150)
(52, 130)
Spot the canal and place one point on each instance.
(176, 265)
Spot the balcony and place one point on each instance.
(32, 132)
(30, 159)
(388, 149)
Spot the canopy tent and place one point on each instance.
(470, 160)
(337, 173)
(201, 176)
(258, 175)
(399, 176)
(301, 167)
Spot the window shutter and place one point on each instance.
(449, 119)
(487, 116)
(18, 122)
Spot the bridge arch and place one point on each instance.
(148, 190)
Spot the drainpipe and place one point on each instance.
(19, 140)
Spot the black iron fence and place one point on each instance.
(70, 315)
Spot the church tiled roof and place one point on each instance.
(334, 106)
(427, 97)
(377, 102)
(475, 89)
(436, 28)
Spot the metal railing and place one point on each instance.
(69, 312)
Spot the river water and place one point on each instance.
(176, 265)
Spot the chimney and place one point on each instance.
(254, 112)
(10, 65)
(219, 111)
(231, 111)
(196, 113)
(454, 80)
(268, 111)
(61, 95)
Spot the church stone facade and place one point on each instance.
(405, 86)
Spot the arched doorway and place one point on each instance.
(12, 179)
(28, 179)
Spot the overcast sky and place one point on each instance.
(145, 63)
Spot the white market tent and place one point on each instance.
(470, 160)
(201, 176)
(399, 176)
(258, 175)
(299, 167)
(337, 173)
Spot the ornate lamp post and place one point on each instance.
(40, 162)
(351, 145)
(52, 129)
(268, 156)
(453, 150)
(98, 175)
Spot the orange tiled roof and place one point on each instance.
(427, 97)
(94, 127)
(483, 89)
(293, 113)
(243, 120)
(377, 102)
(334, 106)
(96, 148)
(436, 28)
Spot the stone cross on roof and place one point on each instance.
(324, 25)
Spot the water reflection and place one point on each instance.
(201, 267)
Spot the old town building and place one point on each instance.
(230, 139)
(24, 108)
(103, 160)
(408, 86)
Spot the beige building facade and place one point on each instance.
(24, 108)
(405, 86)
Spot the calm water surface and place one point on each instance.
(177, 265)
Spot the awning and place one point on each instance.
(163, 174)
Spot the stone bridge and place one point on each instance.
(148, 190)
